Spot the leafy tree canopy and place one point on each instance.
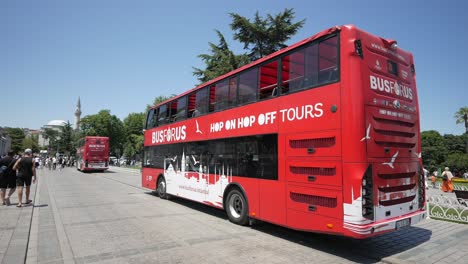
(260, 37)
(134, 123)
(106, 125)
(66, 139)
(17, 136)
(221, 60)
(265, 36)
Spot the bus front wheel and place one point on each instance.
(236, 207)
(162, 188)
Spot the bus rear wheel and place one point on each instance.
(162, 189)
(236, 207)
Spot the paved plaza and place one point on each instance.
(107, 218)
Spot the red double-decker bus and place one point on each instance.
(92, 154)
(321, 136)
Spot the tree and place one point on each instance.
(66, 142)
(221, 60)
(17, 136)
(434, 150)
(133, 146)
(134, 124)
(30, 143)
(458, 163)
(454, 143)
(462, 117)
(106, 125)
(265, 36)
(52, 136)
(260, 38)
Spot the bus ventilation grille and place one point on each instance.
(401, 175)
(313, 200)
(313, 143)
(398, 201)
(313, 170)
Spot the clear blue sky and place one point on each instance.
(120, 55)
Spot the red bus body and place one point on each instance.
(346, 153)
(93, 154)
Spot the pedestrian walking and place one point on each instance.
(434, 179)
(447, 185)
(26, 172)
(7, 178)
(54, 163)
(426, 174)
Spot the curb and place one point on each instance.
(17, 249)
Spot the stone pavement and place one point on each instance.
(14, 228)
(107, 218)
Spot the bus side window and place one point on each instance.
(181, 113)
(150, 119)
(163, 115)
(232, 94)
(268, 80)
(173, 111)
(221, 96)
(292, 74)
(201, 103)
(248, 86)
(191, 105)
(311, 66)
(212, 97)
(328, 62)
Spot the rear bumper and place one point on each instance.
(384, 226)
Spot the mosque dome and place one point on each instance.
(56, 123)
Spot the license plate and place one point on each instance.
(402, 224)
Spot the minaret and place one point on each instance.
(78, 114)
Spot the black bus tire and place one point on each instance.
(161, 190)
(237, 208)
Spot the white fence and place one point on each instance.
(447, 207)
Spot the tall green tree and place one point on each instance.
(458, 163)
(52, 137)
(260, 38)
(264, 36)
(66, 141)
(30, 142)
(434, 150)
(106, 125)
(133, 124)
(221, 60)
(461, 117)
(17, 136)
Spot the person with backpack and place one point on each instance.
(7, 177)
(447, 185)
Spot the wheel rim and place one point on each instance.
(162, 188)
(236, 205)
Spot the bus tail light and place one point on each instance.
(421, 187)
(358, 48)
(367, 194)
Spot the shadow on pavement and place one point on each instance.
(41, 205)
(375, 248)
(361, 251)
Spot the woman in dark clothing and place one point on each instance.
(26, 172)
(7, 178)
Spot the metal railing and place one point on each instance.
(447, 207)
